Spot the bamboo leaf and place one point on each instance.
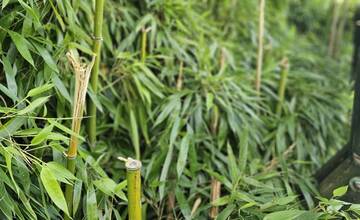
(10, 127)
(39, 90)
(52, 187)
(183, 154)
(184, 206)
(338, 192)
(22, 45)
(4, 3)
(233, 168)
(286, 215)
(243, 154)
(10, 76)
(42, 135)
(33, 105)
(91, 204)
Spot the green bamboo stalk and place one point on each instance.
(91, 126)
(133, 168)
(82, 73)
(282, 85)
(260, 53)
(143, 44)
(215, 187)
(334, 27)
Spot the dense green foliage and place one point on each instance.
(164, 98)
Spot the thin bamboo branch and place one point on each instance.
(171, 195)
(144, 32)
(282, 85)
(260, 53)
(82, 75)
(91, 108)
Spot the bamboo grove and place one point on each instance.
(231, 106)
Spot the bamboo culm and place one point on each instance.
(260, 52)
(91, 108)
(215, 184)
(133, 168)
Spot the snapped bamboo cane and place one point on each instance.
(82, 74)
(133, 176)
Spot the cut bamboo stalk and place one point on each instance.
(133, 176)
(91, 108)
(260, 53)
(284, 65)
(82, 74)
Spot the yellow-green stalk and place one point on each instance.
(91, 125)
(282, 85)
(260, 53)
(82, 74)
(133, 170)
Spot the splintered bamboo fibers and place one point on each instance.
(133, 176)
(282, 85)
(82, 74)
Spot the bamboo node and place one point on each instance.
(93, 37)
(68, 156)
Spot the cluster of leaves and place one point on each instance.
(183, 98)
